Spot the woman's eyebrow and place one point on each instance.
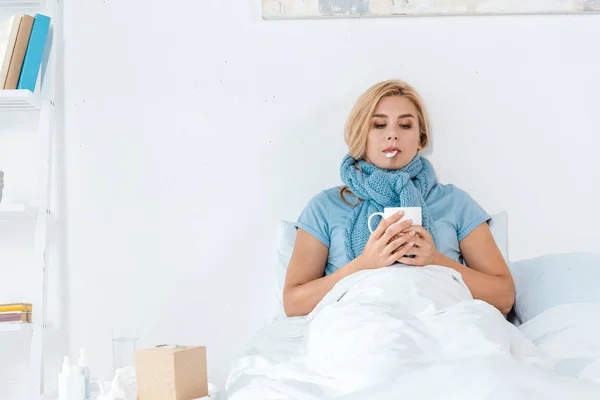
(400, 116)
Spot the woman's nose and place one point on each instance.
(393, 136)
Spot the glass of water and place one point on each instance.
(124, 347)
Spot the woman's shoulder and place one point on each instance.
(449, 196)
(453, 201)
(330, 196)
(333, 201)
(324, 211)
(446, 190)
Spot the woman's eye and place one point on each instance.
(379, 126)
(405, 126)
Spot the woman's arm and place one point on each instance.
(487, 275)
(305, 286)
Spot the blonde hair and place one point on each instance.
(359, 121)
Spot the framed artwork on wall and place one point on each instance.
(280, 9)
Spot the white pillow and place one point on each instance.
(285, 246)
(552, 280)
(287, 237)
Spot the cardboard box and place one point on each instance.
(171, 373)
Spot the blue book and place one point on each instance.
(34, 53)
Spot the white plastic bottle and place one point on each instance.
(71, 383)
(82, 363)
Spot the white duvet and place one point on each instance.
(415, 333)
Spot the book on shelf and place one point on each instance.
(16, 60)
(8, 36)
(19, 316)
(15, 307)
(23, 41)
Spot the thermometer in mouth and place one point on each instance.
(391, 154)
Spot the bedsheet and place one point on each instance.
(398, 332)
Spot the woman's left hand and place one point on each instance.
(424, 249)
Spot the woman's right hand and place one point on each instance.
(386, 246)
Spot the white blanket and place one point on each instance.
(570, 333)
(400, 332)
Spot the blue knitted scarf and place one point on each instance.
(379, 188)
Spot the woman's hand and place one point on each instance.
(424, 250)
(385, 246)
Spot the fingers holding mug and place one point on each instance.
(384, 224)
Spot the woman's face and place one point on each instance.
(394, 138)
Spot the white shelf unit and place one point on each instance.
(16, 327)
(37, 214)
(21, 5)
(18, 100)
(17, 212)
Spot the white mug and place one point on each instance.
(414, 213)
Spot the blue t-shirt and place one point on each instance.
(454, 212)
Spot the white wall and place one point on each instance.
(189, 127)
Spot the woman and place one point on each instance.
(385, 131)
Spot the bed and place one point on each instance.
(406, 332)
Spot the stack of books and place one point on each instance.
(22, 45)
(15, 313)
